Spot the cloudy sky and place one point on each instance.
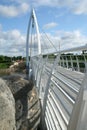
(63, 21)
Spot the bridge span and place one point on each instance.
(62, 93)
(61, 81)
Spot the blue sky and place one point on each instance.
(64, 21)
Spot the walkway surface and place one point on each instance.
(73, 75)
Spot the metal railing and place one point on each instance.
(62, 90)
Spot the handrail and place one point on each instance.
(80, 48)
(61, 88)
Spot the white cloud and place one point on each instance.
(75, 6)
(51, 3)
(13, 10)
(80, 7)
(12, 43)
(72, 39)
(50, 25)
(21, 6)
(15, 34)
(65, 39)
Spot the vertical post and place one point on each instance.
(67, 62)
(60, 63)
(63, 61)
(71, 62)
(85, 64)
(77, 63)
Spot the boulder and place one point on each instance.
(27, 104)
(7, 108)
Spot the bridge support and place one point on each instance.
(32, 20)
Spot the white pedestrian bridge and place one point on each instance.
(61, 81)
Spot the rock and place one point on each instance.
(7, 108)
(26, 102)
(19, 67)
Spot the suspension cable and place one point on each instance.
(48, 38)
(45, 44)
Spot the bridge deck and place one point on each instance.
(59, 90)
(73, 75)
(64, 89)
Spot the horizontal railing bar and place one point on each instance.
(50, 119)
(49, 123)
(61, 112)
(49, 70)
(81, 48)
(71, 101)
(52, 115)
(69, 82)
(55, 111)
(69, 76)
(48, 127)
(65, 82)
(66, 107)
(65, 88)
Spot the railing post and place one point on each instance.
(67, 63)
(63, 61)
(71, 62)
(77, 63)
(60, 63)
(85, 64)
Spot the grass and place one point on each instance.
(4, 68)
(5, 65)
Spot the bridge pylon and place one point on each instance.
(32, 21)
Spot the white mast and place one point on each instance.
(37, 30)
(32, 19)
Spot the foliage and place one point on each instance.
(5, 65)
(6, 61)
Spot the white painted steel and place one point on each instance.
(38, 34)
(62, 90)
(32, 20)
(59, 89)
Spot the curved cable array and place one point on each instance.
(49, 40)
